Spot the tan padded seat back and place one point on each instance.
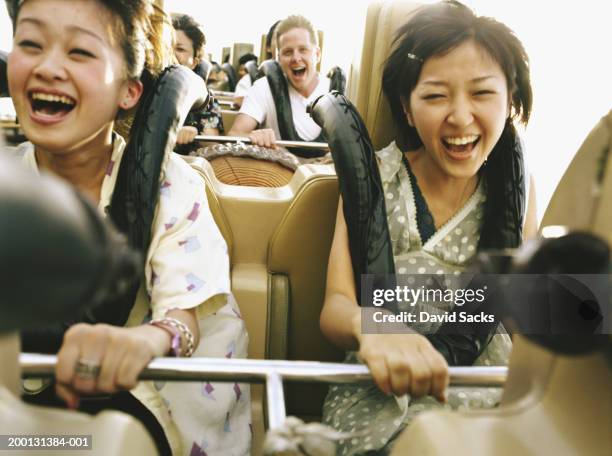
(228, 117)
(359, 76)
(238, 50)
(382, 22)
(253, 215)
(579, 202)
(250, 172)
(297, 261)
(565, 411)
(262, 48)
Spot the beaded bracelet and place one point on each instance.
(172, 324)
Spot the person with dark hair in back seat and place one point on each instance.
(189, 41)
(242, 61)
(245, 82)
(298, 55)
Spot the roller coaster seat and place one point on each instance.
(229, 117)
(251, 172)
(563, 409)
(231, 75)
(255, 219)
(364, 86)
(582, 199)
(203, 69)
(297, 266)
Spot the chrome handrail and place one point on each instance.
(225, 102)
(271, 372)
(282, 143)
(221, 93)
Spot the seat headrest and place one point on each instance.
(203, 69)
(382, 24)
(231, 75)
(337, 80)
(251, 67)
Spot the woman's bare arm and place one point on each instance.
(399, 363)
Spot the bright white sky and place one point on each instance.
(569, 44)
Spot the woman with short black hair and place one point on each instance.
(454, 183)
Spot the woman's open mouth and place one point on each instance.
(460, 147)
(50, 108)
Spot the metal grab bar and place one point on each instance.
(225, 102)
(272, 373)
(282, 143)
(221, 93)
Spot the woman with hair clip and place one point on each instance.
(74, 67)
(454, 184)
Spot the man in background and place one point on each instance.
(298, 55)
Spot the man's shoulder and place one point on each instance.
(259, 101)
(262, 86)
(243, 86)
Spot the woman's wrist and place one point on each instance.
(182, 342)
(158, 339)
(356, 327)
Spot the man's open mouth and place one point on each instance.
(460, 144)
(298, 71)
(51, 105)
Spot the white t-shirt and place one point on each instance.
(259, 105)
(243, 86)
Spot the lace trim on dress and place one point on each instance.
(424, 218)
(445, 229)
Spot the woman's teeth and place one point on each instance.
(298, 71)
(461, 143)
(53, 98)
(50, 104)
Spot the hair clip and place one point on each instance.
(411, 56)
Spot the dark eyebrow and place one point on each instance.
(74, 28)
(30, 19)
(483, 78)
(437, 83)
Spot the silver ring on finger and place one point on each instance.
(86, 369)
